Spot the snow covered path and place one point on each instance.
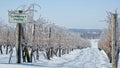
(85, 58)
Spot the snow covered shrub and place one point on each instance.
(105, 43)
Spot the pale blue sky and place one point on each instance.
(67, 13)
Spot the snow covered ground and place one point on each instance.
(84, 58)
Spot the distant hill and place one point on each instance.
(88, 33)
(86, 30)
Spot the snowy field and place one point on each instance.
(85, 58)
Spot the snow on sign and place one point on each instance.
(18, 18)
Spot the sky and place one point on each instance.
(82, 14)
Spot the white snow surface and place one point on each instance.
(85, 58)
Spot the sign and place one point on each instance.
(18, 18)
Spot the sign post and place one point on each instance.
(19, 18)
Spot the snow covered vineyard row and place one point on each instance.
(40, 36)
(89, 57)
(40, 42)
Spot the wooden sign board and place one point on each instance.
(18, 18)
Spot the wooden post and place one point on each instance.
(19, 40)
(33, 40)
(117, 39)
(114, 46)
(48, 52)
(8, 41)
